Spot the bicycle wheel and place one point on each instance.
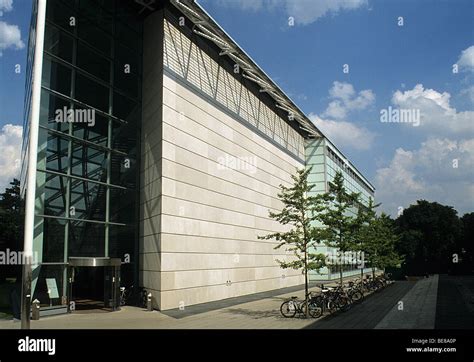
(356, 296)
(315, 309)
(288, 309)
(343, 303)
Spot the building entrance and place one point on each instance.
(94, 284)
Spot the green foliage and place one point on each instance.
(11, 220)
(430, 233)
(340, 226)
(466, 243)
(377, 238)
(299, 213)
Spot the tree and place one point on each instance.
(299, 211)
(466, 242)
(340, 226)
(429, 234)
(377, 238)
(11, 219)
(380, 240)
(366, 216)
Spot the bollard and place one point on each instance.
(149, 304)
(35, 310)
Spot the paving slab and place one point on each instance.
(416, 309)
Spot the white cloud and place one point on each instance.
(344, 99)
(344, 133)
(10, 155)
(438, 117)
(304, 11)
(308, 11)
(469, 92)
(466, 59)
(429, 173)
(5, 5)
(10, 37)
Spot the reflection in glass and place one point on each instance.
(86, 239)
(56, 76)
(49, 105)
(96, 133)
(88, 162)
(57, 154)
(92, 93)
(56, 274)
(53, 240)
(87, 200)
(55, 195)
(58, 43)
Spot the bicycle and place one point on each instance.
(290, 307)
(130, 296)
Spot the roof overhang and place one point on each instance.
(207, 27)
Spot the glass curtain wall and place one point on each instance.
(87, 194)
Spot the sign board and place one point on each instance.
(52, 288)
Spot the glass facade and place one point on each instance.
(87, 184)
(325, 161)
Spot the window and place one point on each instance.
(127, 82)
(86, 239)
(60, 14)
(99, 12)
(49, 105)
(96, 133)
(123, 170)
(58, 43)
(57, 154)
(88, 200)
(89, 162)
(56, 76)
(54, 195)
(53, 240)
(126, 109)
(122, 205)
(124, 56)
(92, 93)
(94, 36)
(92, 62)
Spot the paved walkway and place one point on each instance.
(379, 310)
(416, 309)
(455, 307)
(370, 312)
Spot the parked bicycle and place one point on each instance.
(132, 296)
(293, 306)
(337, 298)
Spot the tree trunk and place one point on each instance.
(306, 281)
(373, 273)
(340, 268)
(340, 274)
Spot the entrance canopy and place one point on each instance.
(93, 261)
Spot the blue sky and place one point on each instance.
(405, 67)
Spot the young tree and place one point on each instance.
(299, 211)
(340, 226)
(366, 216)
(379, 242)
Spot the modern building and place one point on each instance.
(325, 161)
(161, 146)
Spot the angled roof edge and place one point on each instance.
(208, 28)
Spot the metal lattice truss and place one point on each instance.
(206, 27)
